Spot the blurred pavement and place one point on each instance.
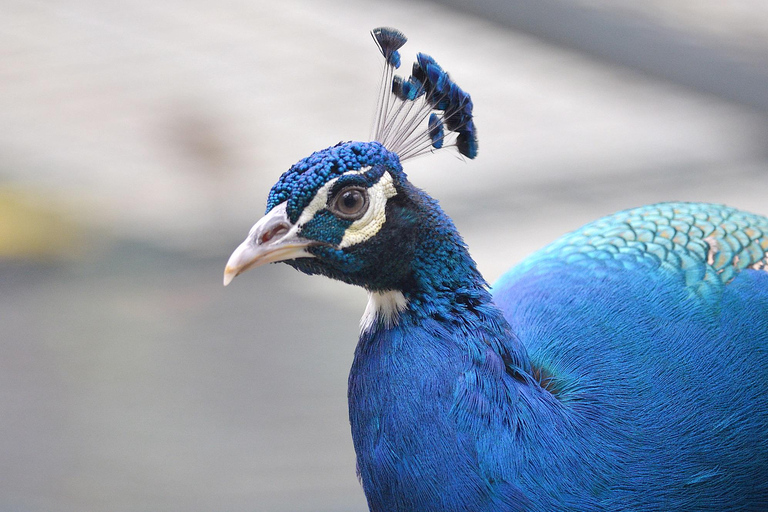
(138, 141)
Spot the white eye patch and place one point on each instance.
(366, 226)
(318, 203)
(369, 224)
(321, 198)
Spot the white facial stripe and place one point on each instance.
(318, 203)
(363, 228)
(321, 199)
(370, 223)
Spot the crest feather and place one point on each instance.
(426, 111)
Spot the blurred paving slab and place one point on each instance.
(135, 382)
(738, 27)
(170, 120)
(130, 379)
(718, 48)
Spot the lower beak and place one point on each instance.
(271, 239)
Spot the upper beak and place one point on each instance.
(271, 239)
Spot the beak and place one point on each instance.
(271, 239)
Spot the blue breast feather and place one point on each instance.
(648, 334)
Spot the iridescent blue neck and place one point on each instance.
(431, 376)
(445, 288)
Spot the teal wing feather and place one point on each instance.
(705, 245)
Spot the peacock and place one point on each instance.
(624, 367)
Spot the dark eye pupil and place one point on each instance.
(351, 201)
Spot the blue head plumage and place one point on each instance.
(376, 246)
(306, 207)
(299, 184)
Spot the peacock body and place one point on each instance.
(623, 367)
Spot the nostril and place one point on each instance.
(273, 232)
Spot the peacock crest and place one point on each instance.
(424, 112)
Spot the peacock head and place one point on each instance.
(348, 211)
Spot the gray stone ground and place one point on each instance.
(137, 143)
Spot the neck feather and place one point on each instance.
(440, 283)
(452, 292)
(383, 308)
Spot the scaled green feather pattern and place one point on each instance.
(707, 245)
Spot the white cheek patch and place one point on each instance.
(318, 203)
(321, 199)
(370, 223)
(365, 227)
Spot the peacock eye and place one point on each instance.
(350, 203)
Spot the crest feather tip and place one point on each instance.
(389, 40)
(430, 95)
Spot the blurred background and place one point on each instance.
(138, 141)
